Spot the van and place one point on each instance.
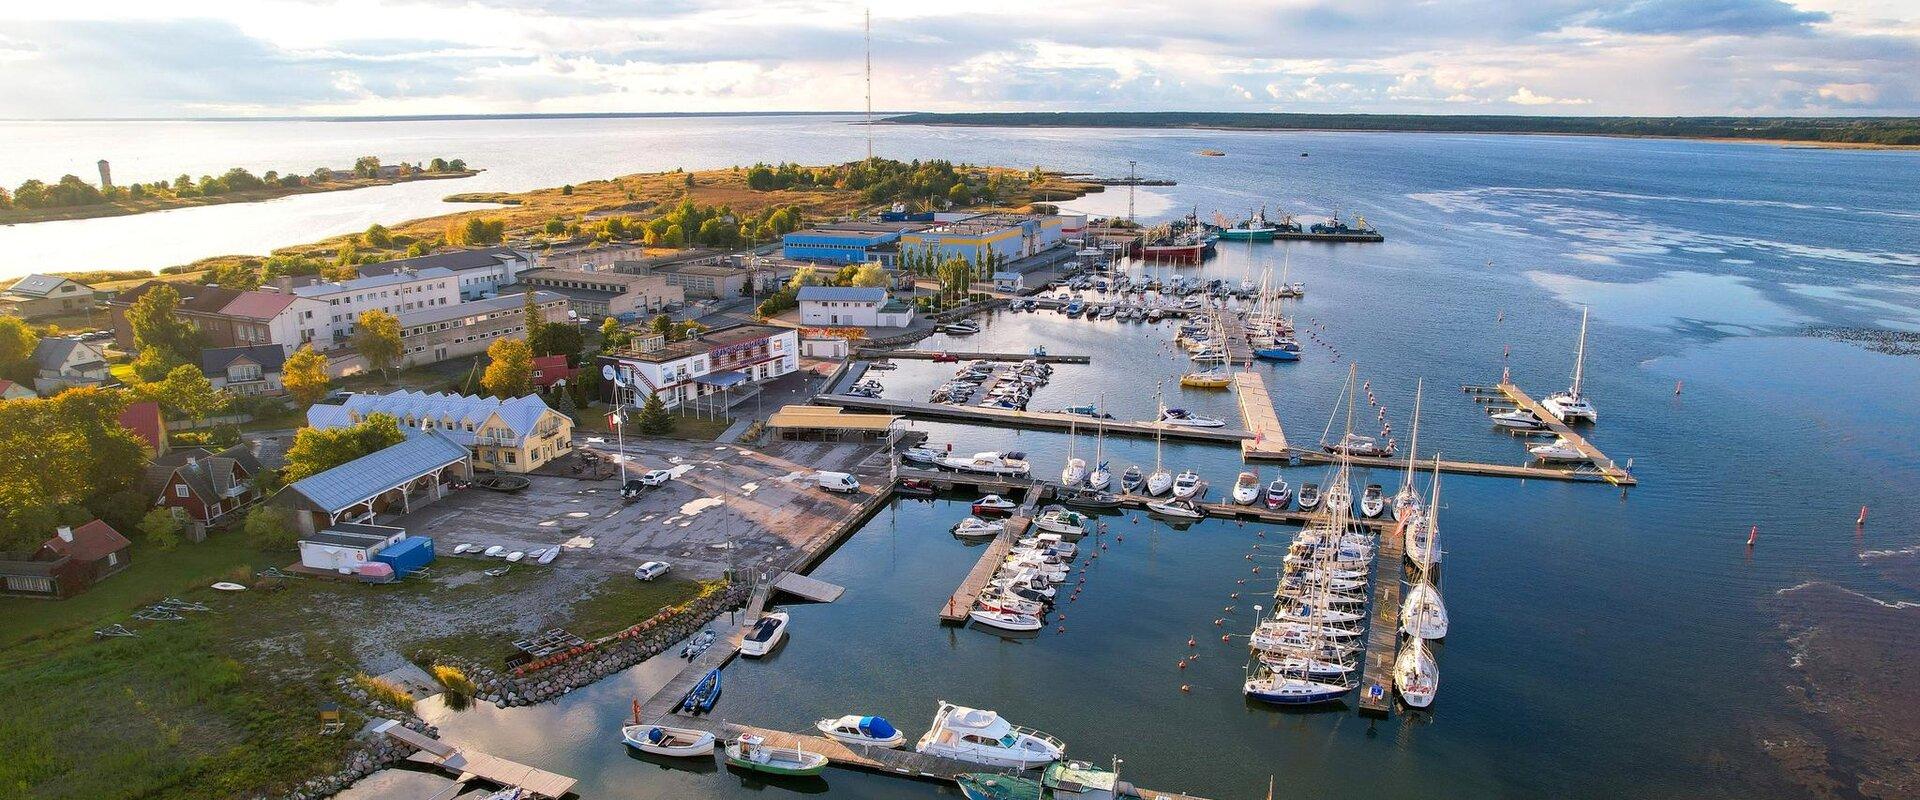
(837, 482)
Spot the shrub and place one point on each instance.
(454, 679)
(384, 691)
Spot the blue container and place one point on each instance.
(407, 556)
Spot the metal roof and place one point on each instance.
(868, 294)
(458, 261)
(451, 413)
(367, 476)
(372, 281)
(36, 285)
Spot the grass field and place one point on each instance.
(224, 703)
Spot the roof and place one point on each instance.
(458, 261)
(806, 416)
(819, 233)
(369, 475)
(724, 378)
(38, 285)
(145, 422)
(451, 412)
(7, 384)
(437, 314)
(705, 342)
(258, 304)
(255, 304)
(861, 294)
(628, 279)
(338, 538)
(91, 542)
(372, 281)
(52, 354)
(1006, 276)
(215, 360)
(209, 475)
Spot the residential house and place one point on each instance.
(416, 471)
(713, 362)
(65, 363)
(432, 335)
(398, 293)
(69, 562)
(867, 307)
(548, 370)
(517, 435)
(246, 371)
(13, 391)
(146, 422)
(204, 488)
(231, 318)
(597, 295)
(38, 296)
(479, 273)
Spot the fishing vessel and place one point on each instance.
(1571, 405)
(751, 752)
(765, 635)
(979, 735)
(862, 730)
(1415, 674)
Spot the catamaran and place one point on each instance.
(1571, 405)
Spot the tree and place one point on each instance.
(60, 455)
(653, 416)
(870, 275)
(662, 325)
(305, 375)
(804, 276)
(377, 235)
(17, 342)
(162, 528)
(559, 339)
(316, 450)
(185, 392)
(158, 329)
(367, 166)
(535, 321)
(509, 369)
(270, 528)
(958, 195)
(376, 337)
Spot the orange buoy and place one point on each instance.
(1183, 663)
(1863, 518)
(1190, 642)
(1753, 535)
(1226, 637)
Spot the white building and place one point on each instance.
(852, 305)
(719, 361)
(397, 293)
(480, 272)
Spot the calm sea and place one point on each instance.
(1603, 644)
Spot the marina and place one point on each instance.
(962, 355)
(1037, 420)
(1383, 632)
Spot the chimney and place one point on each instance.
(65, 532)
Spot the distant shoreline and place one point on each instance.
(1738, 130)
(18, 216)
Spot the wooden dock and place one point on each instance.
(806, 588)
(929, 355)
(1258, 416)
(1039, 420)
(470, 764)
(1008, 487)
(1521, 471)
(954, 611)
(1604, 466)
(1383, 628)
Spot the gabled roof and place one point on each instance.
(371, 281)
(208, 475)
(258, 304)
(858, 294)
(458, 261)
(145, 422)
(449, 412)
(91, 542)
(369, 475)
(52, 354)
(215, 360)
(37, 285)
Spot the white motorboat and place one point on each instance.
(1518, 419)
(1062, 521)
(1185, 418)
(1373, 501)
(1019, 583)
(1176, 509)
(1132, 479)
(989, 463)
(1051, 541)
(1415, 674)
(1001, 601)
(922, 455)
(1186, 485)
(975, 527)
(1571, 405)
(1279, 494)
(994, 504)
(856, 729)
(1052, 573)
(973, 734)
(1560, 449)
(1423, 615)
(668, 741)
(765, 635)
(1246, 489)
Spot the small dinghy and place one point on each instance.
(497, 572)
(703, 695)
(1373, 501)
(551, 554)
(515, 556)
(856, 729)
(977, 528)
(916, 487)
(751, 752)
(1279, 494)
(229, 586)
(464, 547)
(1309, 496)
(668, 741)
(495, 551)
(699, 644)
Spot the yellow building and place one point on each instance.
(517, 435)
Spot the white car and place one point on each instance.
(651, 570)
(656, 477)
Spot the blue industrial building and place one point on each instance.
(836, 246)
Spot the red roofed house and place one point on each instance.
(548, 369)
(146, 423)
(13, 391)
(66, 564)
(204, 487)
(232, 318)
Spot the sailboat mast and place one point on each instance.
(1160, 415)
(1580, 354)
(1413, 442)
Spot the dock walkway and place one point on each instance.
(1039, 420)
(954, 611)
(928, 355)
(806, 588)
(1604, 466)
(470, 764)
(1383, 629)
(1258, 416)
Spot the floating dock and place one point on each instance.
(929, 355)
(1383, 627)
(1258, 416)
(1604, 466)
(954, 611)
(1038, 420)
(1258, 512)
(806, 588)
(471, 764)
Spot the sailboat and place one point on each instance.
(1422, 614)
(1570, 405)
(1099, 479)
(1415, 674)
(1076, 469)
(1406, 503)
(1422, 531)
(1160, 480)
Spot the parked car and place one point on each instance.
(651, 570)
(656, 477)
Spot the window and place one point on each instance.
(180, 490)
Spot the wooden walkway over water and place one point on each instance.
(470, 764)
(1258, 416)
(1039, 420)
(929, 355)
(1604, 466)
(1383, 628)
(954, 611)
(1009, 487)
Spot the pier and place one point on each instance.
(1602, 465)
(1383, 627)
(470, 764)
(954, 612)
(929, 355)
(1258, 416)
(1007, 487)
(1038, 420)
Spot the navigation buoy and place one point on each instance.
(1183, 663)
(1863, 518)
(1753, 535)
(1192, 642)
(1226, 637)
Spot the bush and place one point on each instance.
(384, 691)
(454, 679)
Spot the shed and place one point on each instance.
(408, 555)
(1008, 281)
(345, 547)
(830, 423)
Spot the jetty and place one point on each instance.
(807, 588)
(1037, 420)
(954, 611)
(1003, 485)
(469, 764)
(962, 355)
(1601, 465)
(1383, 627)
(1258, 416)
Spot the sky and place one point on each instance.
(126, 58)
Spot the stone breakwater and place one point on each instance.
(505, 688)
(372, 754)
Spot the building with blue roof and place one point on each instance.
(416, 471)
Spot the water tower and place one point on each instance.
(106, 175)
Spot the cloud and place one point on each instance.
(1850, 93)
(1525, 97)
(1735, 17)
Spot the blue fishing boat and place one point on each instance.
(704, 694)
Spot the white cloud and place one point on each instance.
(1850, 93)
(1526, 97)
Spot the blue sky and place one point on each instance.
(109, 58)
